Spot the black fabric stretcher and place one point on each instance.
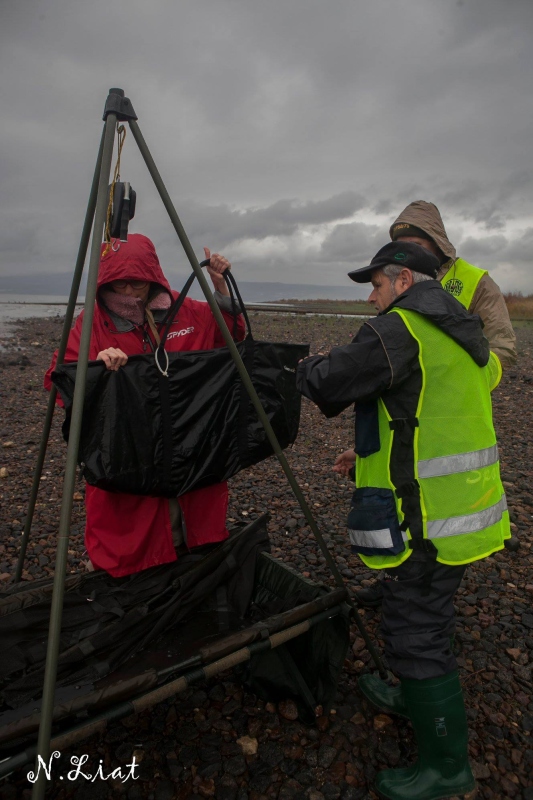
(123, 636)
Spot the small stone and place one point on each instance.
(326, 756)
(271, 753)
(358, 719)
(480, 771)
(248, 745)
(288, 709)
(389, 747)
(8, 444)
(174, 767)
(206, 787)
(165, 790)
(527, 619)
(331, 791)
(381, 721)
(4, 472)
(322, 723)
(294, 752)
(527, 722)
(235, 766)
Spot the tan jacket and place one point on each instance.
(487, 301)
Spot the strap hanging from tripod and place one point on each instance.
(121, 136)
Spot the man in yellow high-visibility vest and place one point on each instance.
(421, 223)
(428, 496)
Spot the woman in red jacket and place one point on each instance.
(126, 533)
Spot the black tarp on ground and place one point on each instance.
(106, 620)
(118, 633)
(144, 433)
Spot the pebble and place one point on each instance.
(248, 745)
(288, 709)
(381, 721)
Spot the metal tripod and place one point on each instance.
(119, 108)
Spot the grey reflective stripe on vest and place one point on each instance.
(379, 538)
(462, 462)
(469, 523)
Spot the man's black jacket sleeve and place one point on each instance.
(356, 371)
(362, 370)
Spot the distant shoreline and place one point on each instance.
(520, 308)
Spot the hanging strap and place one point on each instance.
(161, 356)
(121, 137)
(153, 327)
(232, 285)
(162, 363)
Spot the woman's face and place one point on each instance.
(138, 289)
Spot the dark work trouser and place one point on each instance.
(417, 629)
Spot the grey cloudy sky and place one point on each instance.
(290, 133)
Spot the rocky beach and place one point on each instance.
(219, 740)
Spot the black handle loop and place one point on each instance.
(232, 285)
(175, 307)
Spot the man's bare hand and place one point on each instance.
(113, 358)
(344, 463)
(218, 265)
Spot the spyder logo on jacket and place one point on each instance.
(183, 331)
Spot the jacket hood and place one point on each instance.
(433, 302)
(135, 259)
(425, 216)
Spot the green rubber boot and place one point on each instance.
(437, 712)
(387, 698)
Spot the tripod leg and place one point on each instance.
(69, 316)
(174, 218)
(56, 613)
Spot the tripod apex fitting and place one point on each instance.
(119, 105)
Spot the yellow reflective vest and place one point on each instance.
(452, 493)
(461, 281)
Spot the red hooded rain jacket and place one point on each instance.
(127, 533)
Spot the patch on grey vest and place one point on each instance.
(454, 286)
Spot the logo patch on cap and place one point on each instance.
(454, 286)
(400, 257)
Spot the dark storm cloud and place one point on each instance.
(303, 127)
(351, 243)
(282, 218)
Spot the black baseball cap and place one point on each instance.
(405, 254)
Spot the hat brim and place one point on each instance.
(363, 275)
